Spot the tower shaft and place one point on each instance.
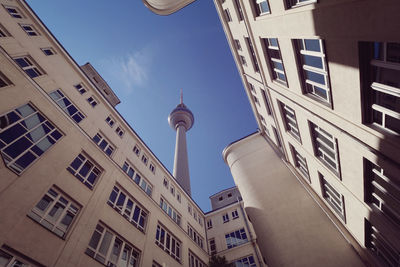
(181, 163)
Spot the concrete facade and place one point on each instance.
(78, 186)
(323, 83)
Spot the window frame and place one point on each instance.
(277, 73)
(4, 81)
(32, 69)
(77, 116)
(4, 32)
(328, 193)
(94, 172)
(291, 125)
(80, 88)
(307, 84)
(52, 52)
(299, 3)
(174, 246)
(92, 101)
(225, 217)
(236, 238)
(137, 178)
(104, 144)
(59, 199)
(300, 163)
(29, 29)
(17, 14)
(170, 211)
(17, 129)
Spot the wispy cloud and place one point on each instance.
(133, 69)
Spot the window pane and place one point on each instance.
(312, 45)
(313, 61)
(315, 77)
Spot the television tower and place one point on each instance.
(181, 119)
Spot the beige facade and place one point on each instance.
(323, 81)
(78, 186)
(229, 232)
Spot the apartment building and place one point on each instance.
(320, 180)
(78, 186)
(229, 232)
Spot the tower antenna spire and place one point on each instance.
(181, 96)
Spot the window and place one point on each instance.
(48, 51)
(333, 197)
(325, 148)
(4, 32)
(312, 59)
(227, 15)
(239, 10)
(167, 208)
(236, 238)
(165, 183)
(4, 81)
(194, 215)
(25, 134)
(119, 132)
(296, 3)
(152, 167)
(256, 100)
(225, 218)
(220, 198)
(382, 190)
(92, 101)
(197, 238)
(29, 29)
(156, 264)
(65, 104)
(251, 86)
(194, 261)
(55, 211)
(381, 84)
(246, 261)
(209, 224)
(170, 244)
(262, 7)
(29, 66)
(238, 46)
(81, 89)
(137, 178)
(110, 248)
(128, 207)
(274, 58)
(300, 163)
(190, 209)
(200, 220)
(380, 246)
(85, 170)
(104, 144)
(290, 121)
(235, 214)
(178, 196)
(229, 195)
(144, 159)
(213, 247)
(252, 55)
(136, 150)
(172, 190)
(278, 138)
(14, 12)
(11, 258)
(243, 60)
(266, 100)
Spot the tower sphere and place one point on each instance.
(181, 115)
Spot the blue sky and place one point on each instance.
(146, 59)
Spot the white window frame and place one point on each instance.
(110, 121)
(259, 9)
(321, 148)
(80, 88)
(92, 101)
(290, 121)
(108, 148)
(52, 217)
(309, 86)
(212, 244)
(145, 159)
(195, 261)
(168, 242)
(110, 241)
(236, 238)
(51, 50)
(31, 68)
(332, 197)
(269, 45)
(299, 3)
(16, 259)
(235, 214)
(225, 218)
(237, 44)
(170, 211)
(94, 170)
(118, 195)
(4, 81)
(136, 150)
(119, 131)
(29, 29)
(227, 15)
(300, 163)
(4, 32)
(139, 180)
(152, 167)
(17, 14)
(247, 261)
(38, 136)
(209, 224)
(60, 99)
(243, 60)
(195, 236)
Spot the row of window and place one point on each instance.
(261, 7)
(119, 131)
(152, 167)
(172, 190)
(137, 178)
(236, 238)
(195, 236)
(168, 209)
(225, 217)
(196, 214)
